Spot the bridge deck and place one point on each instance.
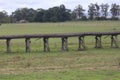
(59, 35)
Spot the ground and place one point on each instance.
(91, 64)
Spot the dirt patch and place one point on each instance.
(29, 70)
(51, 68)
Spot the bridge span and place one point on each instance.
(64, 40)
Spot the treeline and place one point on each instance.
(61, 14)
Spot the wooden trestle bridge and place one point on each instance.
(64, 38)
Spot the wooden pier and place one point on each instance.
(64, 40)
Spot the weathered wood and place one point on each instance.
(59, 35)
(8, 46)
(81, 43)
(98, 41)
(82, 46)
(114, 41)
(46, 44)
(27, 41)
(64, 44)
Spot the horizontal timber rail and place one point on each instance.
(64, 38)
(59, 35)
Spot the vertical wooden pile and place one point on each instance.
(81, 43)
(8, 46)
(64, 43)
(46, 44)
(27, 41)
(98, 41)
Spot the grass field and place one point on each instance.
(67, 27)
(92, 64)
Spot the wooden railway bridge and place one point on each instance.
(64, 38)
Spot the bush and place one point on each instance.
(114, 18)
(100, 18)
(54, 19)
(84, 18)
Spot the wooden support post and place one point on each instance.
(114, 41)
(8, 48)
(46, 45)
(98, 42)
(27, 41)
(81, 43)
(64, 44)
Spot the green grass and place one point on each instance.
(66, 75)
(92, 64)
(87, 65)
(67, 27)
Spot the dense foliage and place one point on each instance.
(61, 14)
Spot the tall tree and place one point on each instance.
(104, 10)
(114, 10)
(97, 10)
(64, 14)
(78, 12)
(119, 10)
(91, 11)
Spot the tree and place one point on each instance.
(97, 12)
(54, 14)
(4, 18)
(114, 10)
(78, 12)
(119, 10)
(91, 11)
(39, 15)
(24, 14)
(31, 15)
(64, 14)
(104, 10)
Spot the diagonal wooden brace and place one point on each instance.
(114, 41)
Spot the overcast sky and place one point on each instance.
(12, 5)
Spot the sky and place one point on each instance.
(12, 5)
